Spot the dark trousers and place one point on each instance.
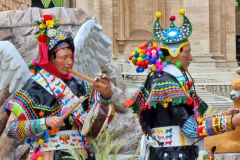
(174, 153)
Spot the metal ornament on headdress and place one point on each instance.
(172, 38)
(61, 36)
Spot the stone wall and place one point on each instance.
(14, 4)
(18, 26)
(237, 21)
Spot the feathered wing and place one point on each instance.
(14, 71)
(91, 49)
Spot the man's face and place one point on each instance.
(185, 57)
(63, 60)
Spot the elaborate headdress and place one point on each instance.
(50, 38)
(172, 39)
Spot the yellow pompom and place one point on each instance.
(133, 53)
(165, 105)
(40, 158)
(181, 11)
(138, 50)
(153, 68)
(155, 45)
(200, 120)
(158, 14)
(40, 141)
(139, 59)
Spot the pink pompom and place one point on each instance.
(39, 154)
(34, 156)
(148, 54)
(34, 62)
(153, 51)
(161, 67)
(154, 55)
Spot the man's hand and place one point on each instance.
(105, 89)
(232, 111)
(54, 122)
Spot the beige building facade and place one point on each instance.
(129, 23)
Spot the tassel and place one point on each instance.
(128, 102)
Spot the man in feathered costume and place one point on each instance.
(170, 111)
(38, 107)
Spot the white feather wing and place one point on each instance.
(14, 71)
(91, 49)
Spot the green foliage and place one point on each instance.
(238, 4)
(74, 154)
(104, 147)
(58, 3)
(46, 3)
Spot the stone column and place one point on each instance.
(198, 14)
(97, 10)
(106, 16)
(230, 32)
(217, 44)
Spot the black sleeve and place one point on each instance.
(145, 120)
(181, 113)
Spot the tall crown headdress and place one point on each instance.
(172, 38)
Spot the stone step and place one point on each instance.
(201, 69)
(203, 63)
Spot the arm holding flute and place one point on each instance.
(98, 89)
(53, 100)
(101, 84)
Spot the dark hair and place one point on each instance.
(181, 49)
(52, 52)
(165, 52)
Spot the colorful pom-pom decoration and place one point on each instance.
(40, 141)
(178, 64)
(148, 56)
(28, 140)
(33, 66)
(189, 101)
(40, 158)
(181, 11)
(39, 153)
(158, 14)
(172, 18)
(34, 156)
(189, 84)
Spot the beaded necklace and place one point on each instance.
(60, 95)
